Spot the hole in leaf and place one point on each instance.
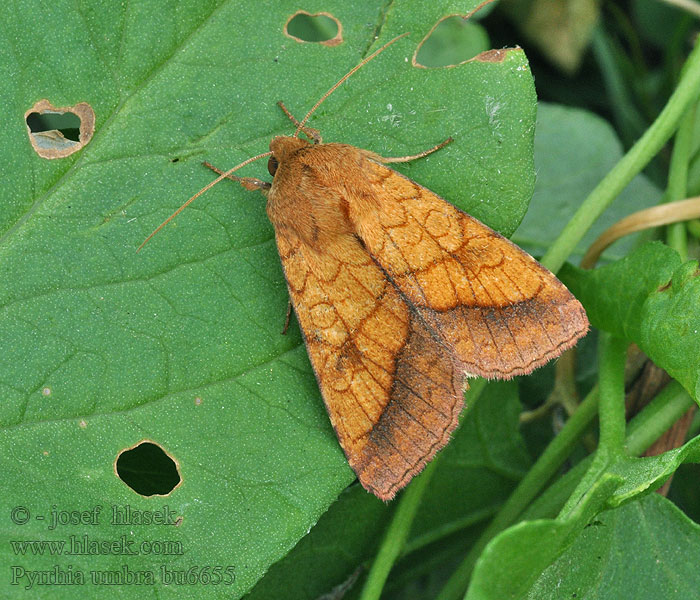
(66, 123)
(322, 28)
(452, 41)
(59, 132)
(147, 469)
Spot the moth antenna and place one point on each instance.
(199, 193)
(361, 64)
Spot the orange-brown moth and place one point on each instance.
(400, 297)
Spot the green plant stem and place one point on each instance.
(693, 227)
(642, 431)
(395, 539)
(474, 517)
(630, 165)
(613, 354)
(611, 410)
(607, 54)
(676, 235)
(537, 477)
(656, 418)
(396, 534)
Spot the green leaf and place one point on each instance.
(181, 344)
(514, 559)
(562, 35)
(640, 550)
(453, 41)
(649, 298)
(642, 475)
(331, 553)
(574, 150)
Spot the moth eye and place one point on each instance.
(272, 165)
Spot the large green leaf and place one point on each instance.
(181, 344)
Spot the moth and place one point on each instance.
(400, 296)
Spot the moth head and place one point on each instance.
(283, 147)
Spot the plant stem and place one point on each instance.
(693, 227)
(396, 534)
(642, 431)
(629, 121)
(611, 378)
(630, 165)
(613, 354)
(662, 412)
(676, 235)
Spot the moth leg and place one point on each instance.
(288, 317)
(249, 183)
(312, 134)
(396, 159)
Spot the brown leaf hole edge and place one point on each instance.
(52, 144)
(487, 56)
